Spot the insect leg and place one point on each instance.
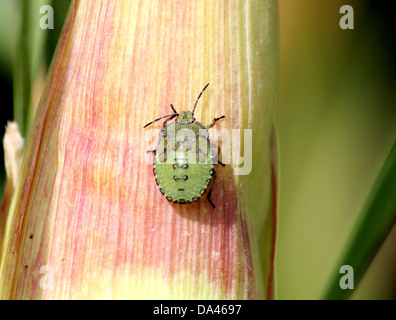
(169, 115)
(173, 108)
(217, 155)
(214, 122)
(164, 124)
(153, 151)
(211, 189)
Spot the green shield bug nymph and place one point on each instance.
(184, 160)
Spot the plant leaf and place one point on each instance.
(373, 224)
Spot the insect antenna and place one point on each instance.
(169, 115)
(198, 98)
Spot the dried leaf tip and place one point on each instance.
(13, 143)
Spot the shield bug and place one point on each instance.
(184, 159)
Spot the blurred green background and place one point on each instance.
(336, 120)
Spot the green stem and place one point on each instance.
(375, 221)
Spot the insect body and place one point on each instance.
(184, 160)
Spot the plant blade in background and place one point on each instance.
(29, 61)
(374, 223)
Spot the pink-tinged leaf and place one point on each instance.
(87, 218)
